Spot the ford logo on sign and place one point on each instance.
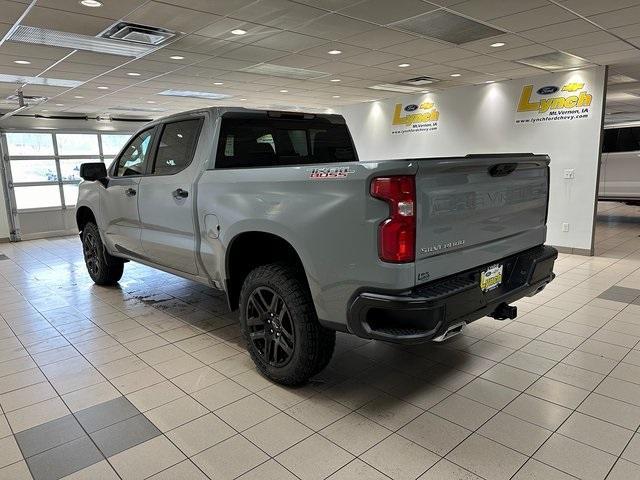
(411, 108)
(547, 90)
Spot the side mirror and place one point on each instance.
(93, 171)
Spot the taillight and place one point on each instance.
(397, 234)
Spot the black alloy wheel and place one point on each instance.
(270, 327)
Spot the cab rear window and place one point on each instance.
(268, 142)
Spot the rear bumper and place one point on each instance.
(426, 311)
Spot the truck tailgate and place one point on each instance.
(474, 210)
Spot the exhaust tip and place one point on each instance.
(451, 331)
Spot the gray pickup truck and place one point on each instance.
(275, 209)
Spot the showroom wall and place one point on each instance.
(557, 114)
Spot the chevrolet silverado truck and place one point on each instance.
(275, 209)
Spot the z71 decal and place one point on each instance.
(330, 173)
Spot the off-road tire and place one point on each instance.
(313, 344)
(103, 268)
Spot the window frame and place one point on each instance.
(156, 145)
(116, 160)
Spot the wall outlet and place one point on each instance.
(569, 173)
(565, 227)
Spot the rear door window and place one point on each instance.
(267, 142)
(176, 146)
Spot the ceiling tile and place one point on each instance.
(594, 7)
(384, 12)
(11, 11)
(489, 9)
(219, 7)
(254, 54)
(298, 61)
(419, 46)
(111, 10)
(536, 18)
(560, 30)
(66, 22)
(374, 58)
(334, 27)
(278, 13)
(222, 30)
(585, 40)
(290, 41)
(523, 52)
(618, 18)
(378, 38)
(171, 17)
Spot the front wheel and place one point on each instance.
(103, 268)
(279, 323)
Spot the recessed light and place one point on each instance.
(91, 3)
(218, 83)
(59, 104)
(336, 96)
(404, 65)
(101, 87)
(425, 91)
(497, 44)
(238, 31)
(133, 74)
(456, 74)
(335, 80)
(243, 99)
(489, 81)
(334, 52)
(150, 101)
(284, 91)
(176, 57)
(78, 96)
(22, 62)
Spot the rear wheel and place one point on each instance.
(103, 268)
(280, 326)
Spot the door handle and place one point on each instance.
(130, 192)
(180, 193)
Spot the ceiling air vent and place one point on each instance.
(447, 26)
(418, 81)
(133, 32)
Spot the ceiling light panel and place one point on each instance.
(554, 61)
(55, 38)
(50, 82)
(392, 87)
(194, 94)
(282, 71)
(448, 26)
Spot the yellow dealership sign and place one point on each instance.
(572, 101)
(414, 118)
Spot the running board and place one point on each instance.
(451, 331)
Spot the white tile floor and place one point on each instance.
(554, 394)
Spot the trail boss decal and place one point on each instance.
(570, 101)
(330, 173)
(414, 118)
